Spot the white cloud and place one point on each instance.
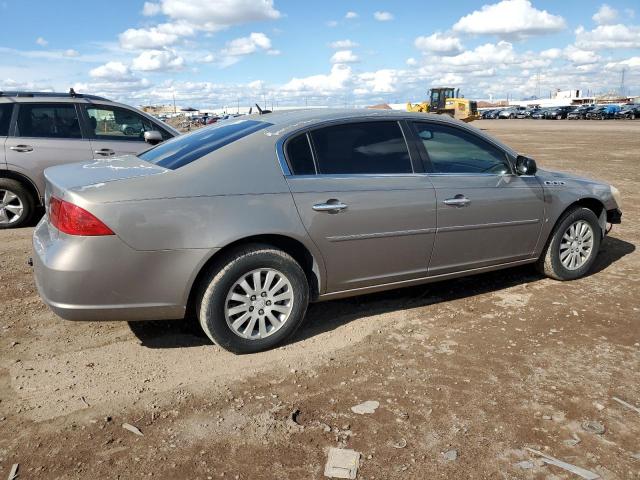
(157, 60)
(113, 71)
(450, 79)
(71, 53)
(274, 52)
(150, 9)
(578, 56)
(608, 36)
(551, 53)
(160, 36)
(412, 62)
(632, 63)
(383, 16)
(351, 15)
(247, 45)
(380, 81)
(488, 54)
(439, 43)
(42, 42)
(510, 19)
(605, 15)
(332, 23)
(344, 56)
(337, 80)
(343, 44)
(213, 16)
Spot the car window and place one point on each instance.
(361, 148)
(48, 121)
(452, 150)
(299, 156)
(5, 118)
(185, 149)
(115, 123)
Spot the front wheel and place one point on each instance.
(16, 204)
(573, 245)
(253, 300)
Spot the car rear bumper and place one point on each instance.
(102, 278)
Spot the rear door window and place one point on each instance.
(299, 156)
(5, 117)
(185, 149)
(48, 121)
(361, 148)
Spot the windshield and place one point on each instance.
(185, 149)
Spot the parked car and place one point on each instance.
(246, 221)
(559, 113)
(540, 113)
(39, 130)
(493, 114)
(510, 112)
(603, 112)
(630, 112)
(580, 113)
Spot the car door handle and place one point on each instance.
(331, 206)
(105, 152)
(22, 148)
(457, 201)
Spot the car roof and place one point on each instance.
(284, 122)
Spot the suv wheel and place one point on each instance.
(16, 204)
(558, 117)
(253, 300)
(573, 246)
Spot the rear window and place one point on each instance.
(300, 156)
(185, 149)
(48, 121)
(5, 118)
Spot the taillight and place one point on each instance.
(73, 220)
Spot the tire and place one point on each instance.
(512, 116)
(551, 263)
(559, 117)
(223, 281)
(16, 204)
(632, 116)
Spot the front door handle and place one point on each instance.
(105, 152)
(331, 206)
(22, 148)
(457, 201)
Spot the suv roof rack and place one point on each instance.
(70, 94)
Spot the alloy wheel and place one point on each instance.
(576, 246)
(11, 207)
(259, 303)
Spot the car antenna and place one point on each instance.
(72, 92)
(261, 111)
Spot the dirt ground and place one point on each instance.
(485, 366)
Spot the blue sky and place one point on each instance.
(212, 53)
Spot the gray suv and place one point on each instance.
(242, 223)
(39, 130)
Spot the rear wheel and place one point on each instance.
(573, 245)
(16, 204)
(253, 300)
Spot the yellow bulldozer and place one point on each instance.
(447, 101)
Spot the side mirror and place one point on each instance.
(525, 165)
(152, 137)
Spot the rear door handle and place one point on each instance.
(331, 206)
(457, 201)
(105, 152)
(22, 148)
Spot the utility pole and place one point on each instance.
(174, 102)
(538, 84)
(622, 83)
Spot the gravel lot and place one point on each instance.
(485, 366)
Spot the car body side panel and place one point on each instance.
(500, 224)
(385, 234)
(561, 190)
(45, 153)
(65, 265)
